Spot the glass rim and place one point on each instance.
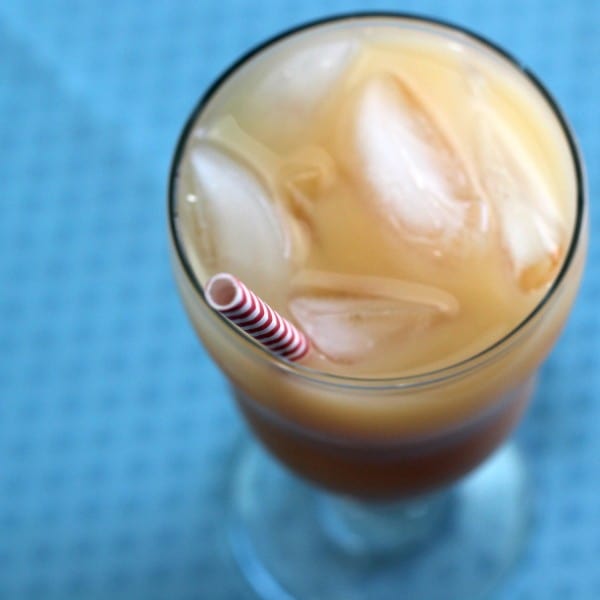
(419, 379)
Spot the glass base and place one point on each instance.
(293, 542)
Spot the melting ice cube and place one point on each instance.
(247, 234)
(529, 219)
(301, 174)
(287, 95)
(415, 176)
(348, 317)
(295, 179)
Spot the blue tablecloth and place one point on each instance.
(113, 422)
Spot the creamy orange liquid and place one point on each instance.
(406, 196)
(406, 199)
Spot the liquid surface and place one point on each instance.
(405, 198)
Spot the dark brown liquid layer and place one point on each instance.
(387, 470)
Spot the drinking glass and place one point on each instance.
(380, 488)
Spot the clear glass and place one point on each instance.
(381, 493)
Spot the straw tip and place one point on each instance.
(222, 291)
(227, 295)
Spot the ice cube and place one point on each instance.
(413, 173)
(248, 235)
(348, 317)
(228, 134)
(295, 179)
(295, 86)
(299, 175)
(530, 222)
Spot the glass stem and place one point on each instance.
(363, 527)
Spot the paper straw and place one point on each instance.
(229, 296)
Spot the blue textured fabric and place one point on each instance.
(113, 421)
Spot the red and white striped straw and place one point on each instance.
(230, 297)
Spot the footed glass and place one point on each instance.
(365, 488)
